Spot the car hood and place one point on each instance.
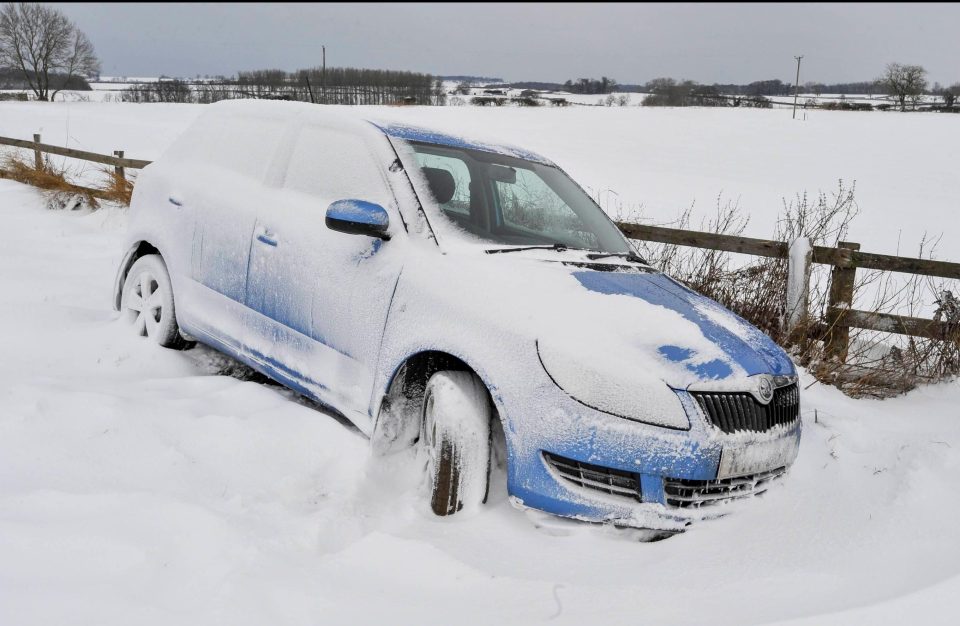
(633, 319)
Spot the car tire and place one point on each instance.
(152, 315)
(455, 437)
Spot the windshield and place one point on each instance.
(506, 201)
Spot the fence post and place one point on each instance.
(119, 171)
(842, 279)
(37, 156)
(799, 264)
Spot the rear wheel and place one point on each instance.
(147, 302)
(455, 438)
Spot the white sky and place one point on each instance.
(629, 42)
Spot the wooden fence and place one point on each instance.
(845, 260)
(119, 163)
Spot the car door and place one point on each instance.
(226, 187)
(323, 296)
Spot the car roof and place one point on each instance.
(426, 135)
(352, 118)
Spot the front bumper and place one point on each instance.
(675, 472)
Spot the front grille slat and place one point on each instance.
(733, 411)
(686, 493)
(725, 406)
(588, 476)
(744, 412)
(721, 415)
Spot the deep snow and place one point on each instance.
(142, 485)
(136, 484)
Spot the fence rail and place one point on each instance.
(845, 260)
(117, 160)
(842, 257)
(83, 155)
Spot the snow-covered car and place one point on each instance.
(456, 296)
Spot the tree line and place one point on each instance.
(14, 78)
(670, 92)
(43, 51)
(333, 85)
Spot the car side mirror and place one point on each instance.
(358, 217)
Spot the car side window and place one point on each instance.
(223, 141)
(459, 202)
(335, 165)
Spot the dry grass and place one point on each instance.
(59, 192)
(118, 189)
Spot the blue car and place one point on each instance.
(464, 299)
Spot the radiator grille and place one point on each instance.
(605, 479)
(731, 412)
(685, 493)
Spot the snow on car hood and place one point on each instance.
(642, 324)
(744, 347)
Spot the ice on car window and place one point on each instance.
(334, 165)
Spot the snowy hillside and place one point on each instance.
(147, 486)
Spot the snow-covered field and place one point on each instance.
(139, 485)
(660, 159)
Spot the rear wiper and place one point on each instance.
(560, 247)
(629, 256)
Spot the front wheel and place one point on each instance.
(147, 302)
(455, 437)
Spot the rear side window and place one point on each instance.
(335, 165)
(242, 144)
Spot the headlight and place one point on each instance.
(627, 390)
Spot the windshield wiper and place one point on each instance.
(559, 247)
(629, 256)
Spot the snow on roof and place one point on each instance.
(352, 117)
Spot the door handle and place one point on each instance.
(175, 200)
(267, 237)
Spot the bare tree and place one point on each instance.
(905, 82)
(950, 94)
(45, 46)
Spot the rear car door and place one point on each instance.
(226, 168)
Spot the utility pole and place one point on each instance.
(796, 89)
(323, 75)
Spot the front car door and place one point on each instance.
(321, 296)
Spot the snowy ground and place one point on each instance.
(139, 485)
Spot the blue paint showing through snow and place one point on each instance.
(714, 369)
(366, 254)
(359, 212)
(757, 355)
